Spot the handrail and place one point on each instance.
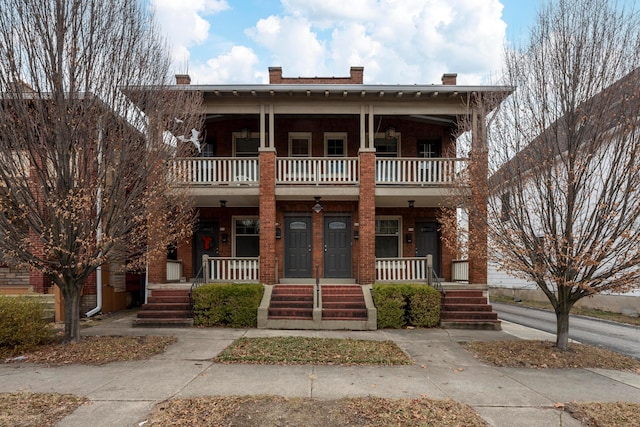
(195, 283)
(317, 304)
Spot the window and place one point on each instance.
(247, 237)
(505, 206)
(335, 144)
(299, 144)
(429, 148)
(388, 237)
(387, 147)
(246, 147)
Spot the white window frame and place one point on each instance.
(383, 135)
(300, 135)
(335, 135)
(399, 219)
(234, 220)
(238, 135)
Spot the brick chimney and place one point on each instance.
(183, 79)
(275, 75)
(357, 75)
(449, 79)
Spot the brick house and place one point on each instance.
(328, 178)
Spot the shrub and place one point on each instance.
(22, 324)
(227, 304)
(407, 304)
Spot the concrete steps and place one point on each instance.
(468, 309)
(165, 308)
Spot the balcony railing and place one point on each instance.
(174, 270)
(401, 269)
(216, 170)
(317, 171)
(460, 270)
(418, 171)
(231, 269)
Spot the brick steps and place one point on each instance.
(467, 309)
(343, 303)
(339, 302)
(291, 302)
(165, 308)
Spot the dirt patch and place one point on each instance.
(36, 409)
(271, 411)
(544, 354)
(96, 350)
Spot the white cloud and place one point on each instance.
(184, 22)
(234, 67)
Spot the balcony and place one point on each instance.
(408, 172)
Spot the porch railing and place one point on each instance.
(216, 170)
(460, 270)
(174, 270)
(293, 170)
(231, 269)
(401, 269)
(419, 171)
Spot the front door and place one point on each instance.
(428, 242)
(205, 242)
(337, 246)
(297, 246)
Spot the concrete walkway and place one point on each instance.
(123, 393)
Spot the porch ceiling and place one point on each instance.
(236, 199)
(387, 197)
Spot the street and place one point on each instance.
(618, 337)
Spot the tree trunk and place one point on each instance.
(562, 327)
(71, 314)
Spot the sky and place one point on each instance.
(396, 41)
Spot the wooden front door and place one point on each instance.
(428, 242)
(297, 246)
(337, 246)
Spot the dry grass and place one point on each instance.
(544, 354)
(319, 351)
(614, 414)
(96, 350)
(271, 411)
(36, 409)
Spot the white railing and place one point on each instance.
(401, 269)
(216, 170)
(460, 270)
(174, 270)
(418, 171)
(231, 269)
(309, 170)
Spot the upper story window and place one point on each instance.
(387, 145)
(246, 144)
(429, 148)
(299, 144)
(335, 144)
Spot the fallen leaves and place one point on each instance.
(36, 409)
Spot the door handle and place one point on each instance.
(325, 248)
(309, 248)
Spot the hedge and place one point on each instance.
(407, 304)
(233, 305)
(23, 325)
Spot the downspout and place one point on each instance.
(98, 306)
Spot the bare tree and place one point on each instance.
(563, 207)
(84, 172)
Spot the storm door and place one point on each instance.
(428, 242)
(297, 246)
(337, 246)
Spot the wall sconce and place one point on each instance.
(278, 233)
(224, 238)
(245, 133)
(408, 238)
(317, 207)
(390, 133)
(356, 234)
(412, 203)
(223, 203)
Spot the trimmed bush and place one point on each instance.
(233, 305)
(22, 324)
(407, 304)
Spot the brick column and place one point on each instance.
(267, 215)
(478, 208)
(367, 217)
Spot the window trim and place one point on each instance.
(335, 135)
(300, 135)
(234, 235)
(382, 135)
(238, 135)
(399, 235)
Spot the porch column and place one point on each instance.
(367, 217)
(478, 209)
(267, 158)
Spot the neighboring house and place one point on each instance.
(326, 178)
(602, 124)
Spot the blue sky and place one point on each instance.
(397, 41)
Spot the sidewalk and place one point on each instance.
(123, 393)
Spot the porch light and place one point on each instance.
(411, 203)
(390, 132)
(223, 203)
(245, 133)
(317, 207)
